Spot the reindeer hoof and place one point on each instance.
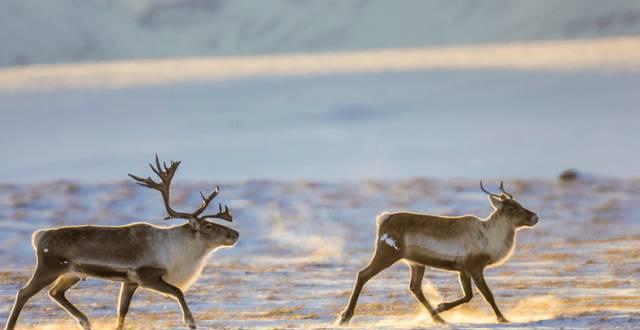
(84, 324)
(441, 308)
(503, 320)
(438, 320)
(345, 318)
(191, 323)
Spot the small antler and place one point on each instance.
(224, 215)
(504, 192)
(488, 193)
(166, 176)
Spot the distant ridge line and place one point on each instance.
(621, 53)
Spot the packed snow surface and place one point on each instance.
(302, 243)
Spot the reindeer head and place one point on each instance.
(211, 233)
(506, 206)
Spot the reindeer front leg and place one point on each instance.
(478, 279)
(417, 274)
(126, 293)
(152, 278)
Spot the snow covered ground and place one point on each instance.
(303, 242)
(310, 147)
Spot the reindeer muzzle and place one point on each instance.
(232, 237)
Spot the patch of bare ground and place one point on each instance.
(13, 277)
(297, 312)
(387, 307)
(557, 256)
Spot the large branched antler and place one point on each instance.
(206, 201)
(166, 175)
(224, 215)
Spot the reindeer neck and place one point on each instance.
(501, 235)
(498, 223)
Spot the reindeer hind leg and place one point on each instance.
(465, 283)
(39, 280)
(383, 257)
(57, 293)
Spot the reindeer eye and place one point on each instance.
(511, 209)
(208, 227)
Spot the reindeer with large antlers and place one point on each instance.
(164, 259)
(465, 244)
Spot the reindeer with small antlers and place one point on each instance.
(465, 244)
(163, 259)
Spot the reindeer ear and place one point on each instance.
(496, 202)
(195, 224)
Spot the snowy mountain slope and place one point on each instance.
(94, 30)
